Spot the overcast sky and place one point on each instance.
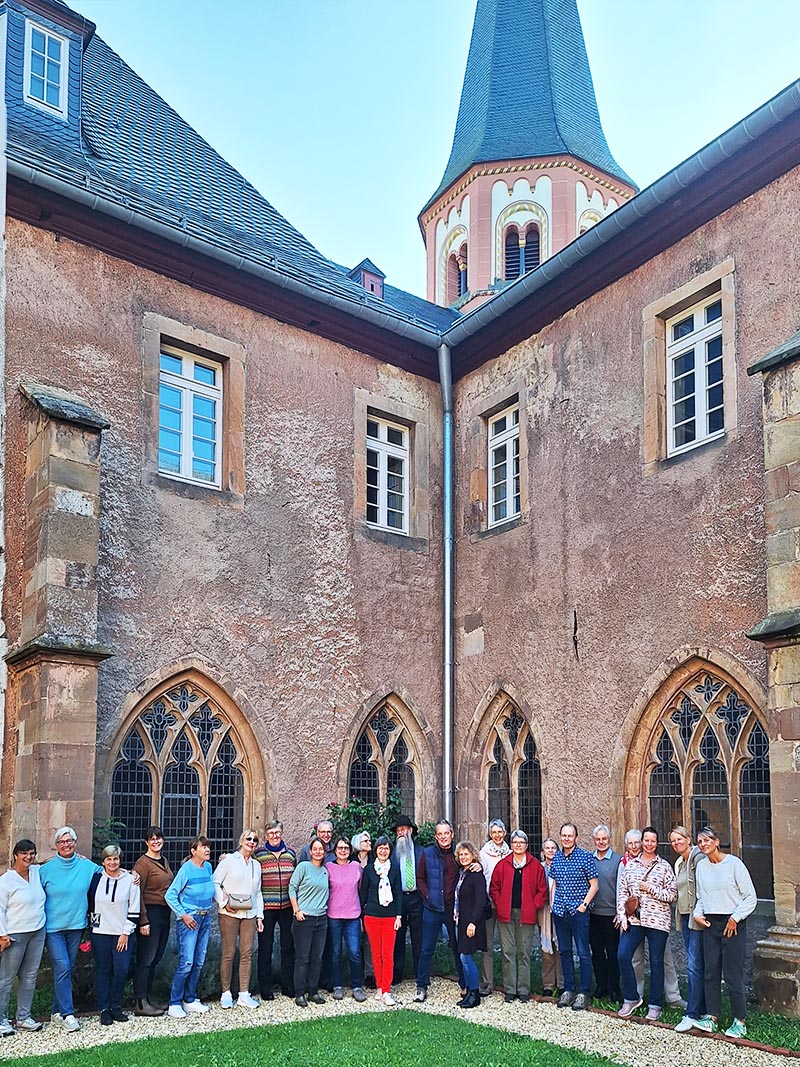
(341, 112)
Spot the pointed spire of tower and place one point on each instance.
(528, 90)
(530, 168)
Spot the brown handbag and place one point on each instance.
(631, 906)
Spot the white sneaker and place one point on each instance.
(226, 1000)
(244, 1000)
(389, 1000)
(57, 1018)
(176, 1011)
(685, 1025)
(195, 1007)
(378, 994)
(28, 1024)
(71, 1024)
(6, 1029)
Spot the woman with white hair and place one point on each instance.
(113, 915)
(495, 849)
(518, 889)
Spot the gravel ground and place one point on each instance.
(628, 1043)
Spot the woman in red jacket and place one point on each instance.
(518, 889)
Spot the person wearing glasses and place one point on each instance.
(21, 936)
(344, 919)
(237, 883)
(437, 874)
(382, 907)
(152, 934)
(309, 890)
(725, 897)
(278, 862)
(190, 896)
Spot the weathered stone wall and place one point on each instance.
(615, 566)
(282, 591)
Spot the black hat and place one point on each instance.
(403, 820)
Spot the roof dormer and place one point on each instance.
(46, 42)
(369, 277)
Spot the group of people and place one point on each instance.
(601, 906)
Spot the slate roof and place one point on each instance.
(135, 150)
(527, 90)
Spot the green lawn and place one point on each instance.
(391, 1039)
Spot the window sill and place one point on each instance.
(498, 528)
(193, 490)
(395, 540)
(710, 444)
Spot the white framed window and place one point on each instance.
(387, 474)
(46, 69)
(189, 417)
(504, 482)
(695, 385)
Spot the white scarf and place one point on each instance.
(385, 897)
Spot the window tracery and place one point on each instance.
(513, 776)
(383, 759)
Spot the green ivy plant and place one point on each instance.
(355, 815)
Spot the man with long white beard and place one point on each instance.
(405, 856)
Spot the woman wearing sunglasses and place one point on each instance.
(237, 889)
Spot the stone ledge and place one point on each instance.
(782, 353)
(59, 647)
(59, 404)
(778, 625)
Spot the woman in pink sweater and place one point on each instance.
(344, 919)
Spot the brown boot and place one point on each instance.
(144, 1007)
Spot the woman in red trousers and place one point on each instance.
(382, 907)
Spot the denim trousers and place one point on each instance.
(629, 941)
(150, 950)
(695, 969)
(21, 958)
(470, 968)
(110, 970)
(349, 931)
(63, 948)
(309, 945)
(192, 945)
(431, 927)
(282, 918)
(569, 928)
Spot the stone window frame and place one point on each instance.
(59, 111)
(158, 331)
(384, 731)
(477, 523)
(511, 730)
(503, 439)
(384, 451)
(655, 316)
(415, 419)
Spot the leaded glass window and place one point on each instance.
(180, 767)
(513, 775)
(709, 764)
(383, 759)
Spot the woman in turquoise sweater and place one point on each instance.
(190, 896)
(309, 890)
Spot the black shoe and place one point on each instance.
(463, 1002)
(301, 1002)
(268, 996)
(581, 1002)
(118, 1015)
(317, 998)
(285, 992)
(566, 999)
(106, 1018)
(524, 998)
(510, 998)
(471, 1000)
(547, 992)
(369, 982)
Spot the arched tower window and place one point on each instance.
(453, 279)
(180, 766)
(530, 252)
(463, 259)
(513, 775)
(709, 764)
(384, 759)
(512, 251)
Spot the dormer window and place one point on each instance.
(46, 69)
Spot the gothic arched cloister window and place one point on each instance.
(513, 776)
(709, 764)
(383, 759)
(179, 766)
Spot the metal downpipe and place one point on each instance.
(448, 586)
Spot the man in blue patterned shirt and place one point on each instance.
(574, 872)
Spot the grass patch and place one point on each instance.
(390, 1039)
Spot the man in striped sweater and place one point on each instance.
(278, 861)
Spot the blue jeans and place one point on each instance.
(111, 970)
(22, 957)
(569, 928)
(470, 968)
(628, 943)
(192, 945)
(63, 948)
(350, 930)
(695, 969)
(431, 926)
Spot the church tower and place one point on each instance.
(530, 169)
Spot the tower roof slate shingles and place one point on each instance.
(527, 91)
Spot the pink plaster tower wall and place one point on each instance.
(561, 195)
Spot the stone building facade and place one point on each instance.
(277, 533)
